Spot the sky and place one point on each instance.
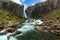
(32, 2)
(27, 3)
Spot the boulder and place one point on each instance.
(38, 29)
(17, 32)
(11, 30)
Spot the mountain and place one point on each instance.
(5, 0)
(10, 15)
(41, 8)
(17, 9)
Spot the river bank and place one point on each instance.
(28, 29)
(23, 28)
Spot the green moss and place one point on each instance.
(56, 13)
(5, 18)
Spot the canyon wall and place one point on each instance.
(42, 8)
(10, 6)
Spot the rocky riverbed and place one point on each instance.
(52, 26)
(15, 29)
(9, 27)
(33, 26)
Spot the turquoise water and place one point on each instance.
(28, 33)
(33, 35)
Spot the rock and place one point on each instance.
(2, 32)
(55, 29)
(11, 25)
(17, 23)
(17, 32)
(11, 30)
(38, 29)
(49, 22)
(57, 26)
(1, 28)
(42, 8)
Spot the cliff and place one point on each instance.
(10, 16)
(42, 8)
(17, 9)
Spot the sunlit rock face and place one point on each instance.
(11, 6)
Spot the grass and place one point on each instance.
(56, 13)
(5, 18)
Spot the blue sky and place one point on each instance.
(27, 3)
(32, 2)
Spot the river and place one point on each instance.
(28, 32)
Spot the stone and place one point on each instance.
(1, 28)
(38, 29)
(17, 23)
(11, 30)
(17, 32)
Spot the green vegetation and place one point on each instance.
(6, 16)
(56, 13)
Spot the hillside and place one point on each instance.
(48, 12)
(42, 8)
(17, 9)
(10, 16)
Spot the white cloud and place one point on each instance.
(20, 2)
(33, 4)
(42, 0)
(25, 6)
(17, 1)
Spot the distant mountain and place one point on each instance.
(42, 8)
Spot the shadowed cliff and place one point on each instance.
(42, 8)
(17, 9)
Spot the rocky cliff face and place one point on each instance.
(5, 0)
(10, 16)
(42, 8)
(17, 9)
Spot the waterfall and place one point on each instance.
(25, 15)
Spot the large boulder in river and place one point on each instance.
(38, 29)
